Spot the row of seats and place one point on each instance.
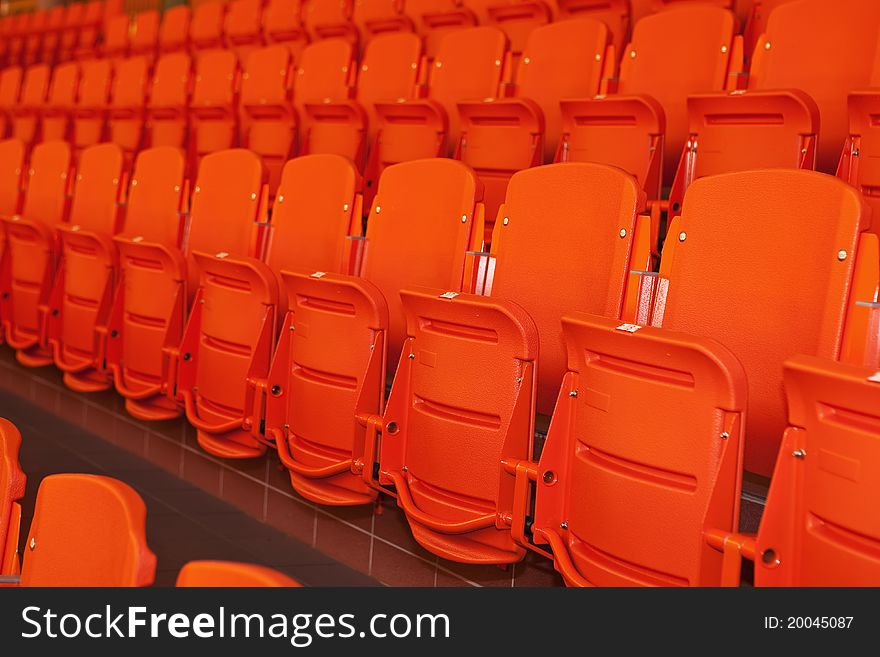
(282, 330)
(467, 104)
(84, 30)
(89, 530)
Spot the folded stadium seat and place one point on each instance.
(10, 91)
(330, 19)
(269, 122)
(127, 112)
(151, 301)
(282, 23)
(206, 29)
(32, 251)
(5, 36)
(12, 164)
(434, 19)
(87, 530)
(145, 36)
(26, 114)
(375, 17)
(39, 22)
(52, 35)
(174, 31)
(12, 483)
(614, 13)
(343, 333)
(755, 23)
(500, 136)
(91, 30)
(73, 23)
(811, 56)
(656, 446)
(516, 17)
(471, 64)
(17, 39)
(244, 27)
(168, 102)
(116, 37)
(687, 49)
(440, 449)
(390, 70)
(325, 72)
(213, 109)
(83, 289)
(230, 574)
(57, 116)
(90, 113)
(223, 384)
(819, 526)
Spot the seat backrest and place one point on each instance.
(206, 30)
(421, 224)
(321, 14)
(469, 66)
(130, 83)
(389, 71)
(225, 203)
(46, 193)
(313, 215)
(230, 574)
(96, 190)
(145, 35)
(35, 87)
(215, 86)
(614, 13)
(94, 88)
(64, 89)
(174, 32)
(825, 49)
(820, 526)
(561, 60)
(760, 306)
(283, 21)
(681, 51)
(155, 190)
(171, 81)
(10, 88)
(244, 22)
(12, 163)
(87, 530)
(116, 34)
(12, 483)
(579, 209)
(266, 84)
(324, 70)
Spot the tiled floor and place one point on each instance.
(183, 522)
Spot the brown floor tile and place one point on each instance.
(343, 543)
(395, 567)
(291, 516)
(243, 492)
(165, 453)
(202, 472)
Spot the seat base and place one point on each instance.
(328, 494)
(34, 357)
(154, 409)
(238, 444)
(90, 380)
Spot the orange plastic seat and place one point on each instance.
(389, 71)
(223, 383)
(214, 106)
(150, 306)
(144, 37)
(688, 49)
(87, 530)
(343, 333)
(244, 27)
(434, 19)
(282, 23)
(127, 112)
(209, 369)
(330, 19)
(471, 64)
(811, 56)
(268, 116)
(63, 92)
(32, 251)
(38, 24)
(230, 574)
(500, 136)
(116, 37)
(90, 113)
(325, 72)
(52, 35)
(12, 165)
(174, 31)
(12, 483)
(90, 30)
(614, 13)
(206, 29)
(377, 17)
(74, 17)
(83, 289)
(819, 526)
(17, 39)
(445, 453)
(26, 115)
(10, 90)
(516, 17)
(168, 104)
